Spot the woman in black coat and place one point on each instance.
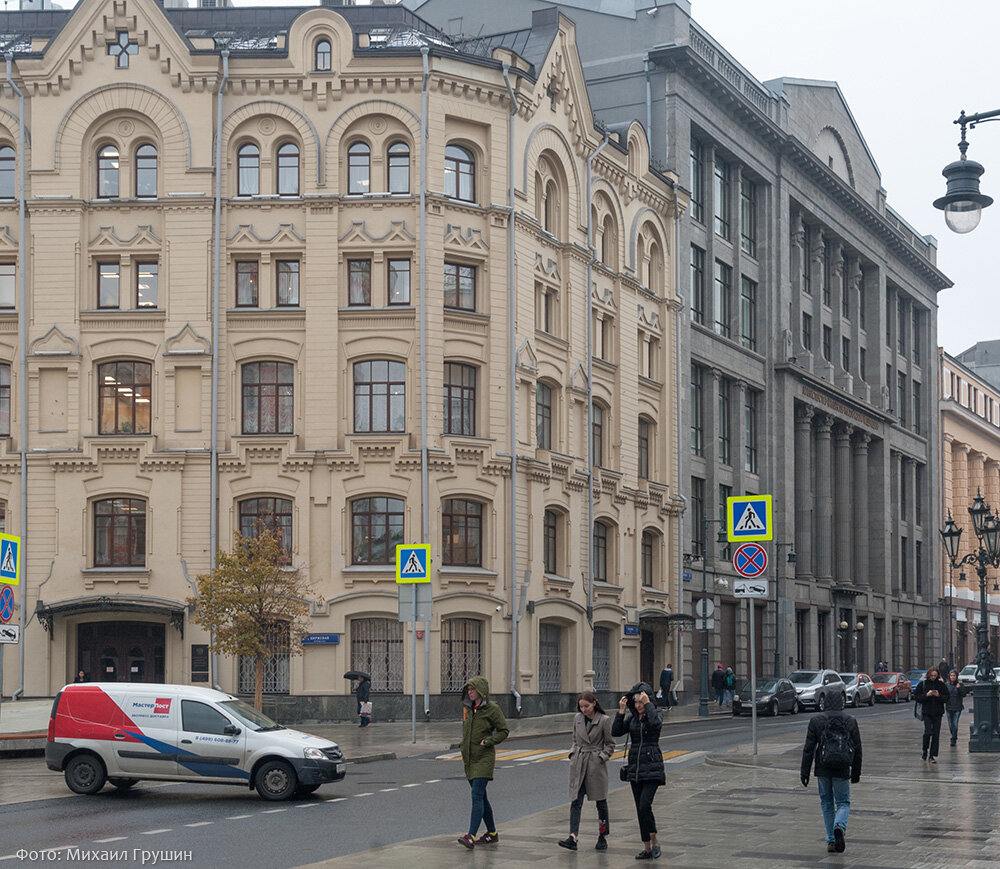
(364, 696)
(640, 719)
(932, 694)
(955, 703)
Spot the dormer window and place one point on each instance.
(324, 56)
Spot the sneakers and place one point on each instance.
(656, 852)
(602, 843)
(954, 742)
(933, 760)
(488, 839)
(830, 847)
(569, 843)
(467, 841)
(644, 855)
(838, 840)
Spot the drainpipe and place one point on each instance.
(646, 64)
(216, 293)
(678, 652)
(590, 381)
(22, 337)
(424, 481)
(512, 390)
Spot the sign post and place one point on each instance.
(413, 565)
(750, 561)
(10, 565)
(753, 678)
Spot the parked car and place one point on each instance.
(916, 675)
(860, 689)
(967, 675)
(773, 696)
(813, 687)
(891, 687)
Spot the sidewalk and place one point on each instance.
(24, 723)
(753, 813)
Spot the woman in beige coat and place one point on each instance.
(588, 767)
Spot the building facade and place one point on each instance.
(326, 269)
(808, 353)
(970, 464)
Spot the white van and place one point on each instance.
(123, 732)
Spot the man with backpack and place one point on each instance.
(834, 742)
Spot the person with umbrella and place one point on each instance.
(363, 692)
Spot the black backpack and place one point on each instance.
(836, 748)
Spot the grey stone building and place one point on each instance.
(810, 349)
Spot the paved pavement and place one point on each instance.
(748, 812)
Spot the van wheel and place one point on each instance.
(305, 790)
(275, 780)
(85, 774)
(123, 784)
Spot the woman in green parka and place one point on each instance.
(483, 727)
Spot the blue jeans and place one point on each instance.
(834, 791)
(482, 811)
(953, 716)
(729, 697)
(718, 696)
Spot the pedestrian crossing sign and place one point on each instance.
(9, 562)
(413, 563)
(748, 518)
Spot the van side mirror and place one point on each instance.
(232, 730)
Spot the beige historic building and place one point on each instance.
(386, 290)
(970, 432)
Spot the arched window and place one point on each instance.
(7, 164)
(609, 243)
(377, 648)
(599, 568)
(145, 172)
(459, 173)
(551, 208)
(550, 542)
(459, 399)
(655, 277)
(398, 180)
(107, 172)
(324, 56)
(461, 532)
(273, 514)
(123, 398)
(597, 434)
(4, 400)
(248, 170)
(268, 397)
(120, 532)
(359, 159)
(379, 396)
(288, 170)
(645, 441)
(376, 529)
(543, 416)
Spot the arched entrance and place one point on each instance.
(121, 651)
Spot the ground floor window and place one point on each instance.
(602, 659)
(377, 648)
(801, 638)
(121, 651)
(461, 652)
(549, 658)
(276, 667)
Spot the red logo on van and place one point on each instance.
(161, 706)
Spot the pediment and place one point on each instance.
(527, 358)
(55, 342)
(358, 233)
(650, 318)
(247, 236)
(547, 268)
(188, 342)
(108, 239)
(605, 296)
(471, 239)
(7, 241)
(578, 379)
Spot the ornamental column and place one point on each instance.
(861, 569)
(824, 498)
(803, 490)
(842, 502)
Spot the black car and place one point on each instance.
(773, 696)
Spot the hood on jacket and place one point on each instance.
(638, 688)
(481, 685)
(835, 702)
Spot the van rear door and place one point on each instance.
(212, 745)
(150, 748)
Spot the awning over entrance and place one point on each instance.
(112, 603)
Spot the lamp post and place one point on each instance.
(852, 657)
(962, 203)
(777, 600)
(705, 522)
(985, 735)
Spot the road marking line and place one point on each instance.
(201, 824)
(337, 800)
(153, 832)
(387, 790)
(432, 781)
(686, 756)
(307, 806)
(370, 793)
(230, 818)
(111, 839)
(415, 784)
(273, 811)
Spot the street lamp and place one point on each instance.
(962, 203)
(986, 715)
(777, 600)
(705, 522)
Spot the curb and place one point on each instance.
(372, 758)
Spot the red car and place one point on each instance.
(891, 687)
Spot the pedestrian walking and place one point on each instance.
(932, 695)
(719, 683)
(364, 694)
(833, 749)
(666, 681)
(639, 718)
(729, 683)
(955, 703)
(593, 746)
(483, 728)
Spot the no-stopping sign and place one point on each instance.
(750, 560)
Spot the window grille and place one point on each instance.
(549, 658)
(461, 652)
(602, 659)
(276, 667)
(377, 648)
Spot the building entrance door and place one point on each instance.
(647, 654)
(121, 651)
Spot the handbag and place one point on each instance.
(918, 709)
(623, 769)
(366, 708)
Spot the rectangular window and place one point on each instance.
(376, 529)
(147, 280)
(697, 181)
(916, 338)
(725, 493)
(697, 284)
(8, 272)
(697, 415)
(904, 500)
(721, 198)
(461, 652)
(549, 658)
(120, 533)
(888, 318)
(288, 283)
(644, 433)
(845, 354)
(460, 287)
(748, 217)
(724, 422)
(748, 313)
(379, 396)
(108, 282)
(399, 282)
(918, 496)
(915, 407)
(550, 537)
(861, 363)
(750, 431)
(268, 397)
(807, 331)
(827, 276)
(549, 312)
(827, 343)
(901, 396)
(359, 282)
(807, 264)
(602, 659)
(900, 326)
(461, 532)
(247, 284)
(459, 399)
(723, 287)
(861, 300)
(377, 647)
(904, 570)
(4, 401)
(845, 297)
(697, 514)
(919, 569)
(543, 416)
(597, 434)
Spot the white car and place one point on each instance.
(860, 690)
(813, 687)
(967, 675)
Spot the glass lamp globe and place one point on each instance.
(963, 217)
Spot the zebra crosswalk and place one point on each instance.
(519, 757)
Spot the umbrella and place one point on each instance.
(357, 674)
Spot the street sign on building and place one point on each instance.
(748, 518)
(6, 603)
(750, 560)
(751, 588)
(413, 563)
(9, 562)
(10, 633)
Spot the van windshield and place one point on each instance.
(253, 719)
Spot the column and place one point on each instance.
(991, 483)
(910, 469)
(861, 570)
(842, 502)
(961, 498)
(896, 464)
(711, 417)
(738, 432)
(817, 280)
(824, 498)
(803, 490)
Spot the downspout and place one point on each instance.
(216, 293)
(424, 481)
(590, 380)
(647, 63)
(22, 337)
(511, 390)
(678, 651)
